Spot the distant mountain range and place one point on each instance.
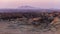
(31, 7)
(27, 7)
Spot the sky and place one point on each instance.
(46, 4)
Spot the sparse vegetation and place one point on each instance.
(42, 21)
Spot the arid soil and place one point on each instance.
(7, 27)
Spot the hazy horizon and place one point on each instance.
(45, 4)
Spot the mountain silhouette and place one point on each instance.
(26, 7)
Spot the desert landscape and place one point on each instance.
(29, 22)
(29, 16)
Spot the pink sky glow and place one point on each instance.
(35, 3)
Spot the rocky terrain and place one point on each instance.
(30, 23)
(14, 27)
